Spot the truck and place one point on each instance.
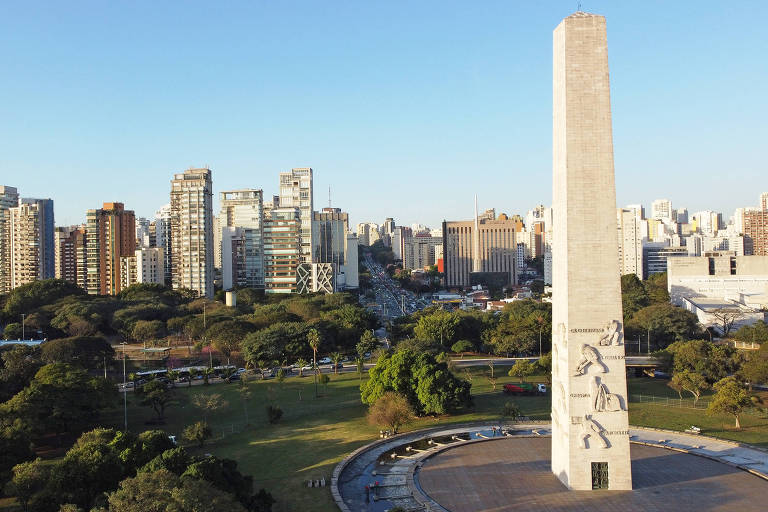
(525, 388)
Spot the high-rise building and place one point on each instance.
(31, 241)
(192, 231)
(282, 249)
(682, 216)
(143, 238)
(144, 266)
(163, 239)
(110, 235)
(296, 192)
(71, 255)
(661, 209)
(590, 430)
(630, 243)
(9, 198)
(764, 201)
(420, 251)
(243, 209)
(638, 209)
(495, 245)
(400, 236)
(756, 232)
(388, 227)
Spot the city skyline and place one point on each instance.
(427, 110)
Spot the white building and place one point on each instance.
(243, 209)
(630, 243)
(661, 209)
(163, 238)
(145, 266)
(192, 231)
(296, 192)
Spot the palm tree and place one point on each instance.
(172, 376)
(313, 337)
(192, 375)
(301, 363)
(336, 357)
(360, 363)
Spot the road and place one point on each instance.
(391, 300)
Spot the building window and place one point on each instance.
(599, 475)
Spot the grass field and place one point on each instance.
(315, 434)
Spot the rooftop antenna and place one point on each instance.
(329, 197)
(578, 6)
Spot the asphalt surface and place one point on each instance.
(391, 300)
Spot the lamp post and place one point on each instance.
(125, 392)
(22, 326)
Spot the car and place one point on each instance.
(325, 360)
(234, 376)
(306, 368)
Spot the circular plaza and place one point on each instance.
(486, 468)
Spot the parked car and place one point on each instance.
(325, 360)
(337, 365)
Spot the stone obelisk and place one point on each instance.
(590, 437)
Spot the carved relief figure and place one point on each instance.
(561, 399)
(602, 400)
(590, 428)
(589, 355)
(611, 334)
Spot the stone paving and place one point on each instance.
(514, 474)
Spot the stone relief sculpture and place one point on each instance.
(611, 334)
(589, 356)
(602, 400)
(591, 429)
(561, 399)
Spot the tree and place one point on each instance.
(726, 318)
(462, 346)
(336, 358)
(511, 411)
(84, 351)
(60, 398)
(15, 447)
(730, 398)
(197, 432)
(158, 396)
(324, 380)
(28, 479)
(711, 361)
(301, 363)
(367, 344)
(148, 330)
(390, 410)
(755, 369)
(522, 369)
(656, 288)
(208, 403)
(690, 381)
(18, 367)
(12, 331)
(429, 386)
(162, 490)
(663, 324)
(245, 395)
(360, 367)
(633, 295)
(274, 413)
(313, 338)
(545, 365)
(755, 333)
(439, 326)
(227, 335)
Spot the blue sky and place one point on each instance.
(406, 109)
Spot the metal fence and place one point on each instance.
(685, 403)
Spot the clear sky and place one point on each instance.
(406, 109)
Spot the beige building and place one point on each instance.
(242, 209)
(9, 198)
(480, 247)
(420, 252)
(590, 430)
(71, 255)
(191, 221)
(27, 243)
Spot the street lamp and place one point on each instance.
(125, 391)
(22, 326)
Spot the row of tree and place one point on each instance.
(107, 470)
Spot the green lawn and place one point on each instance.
(315, 434)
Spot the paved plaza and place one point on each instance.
(514, 474)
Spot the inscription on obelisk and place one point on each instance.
(590, 432)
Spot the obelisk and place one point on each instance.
(590, 437)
